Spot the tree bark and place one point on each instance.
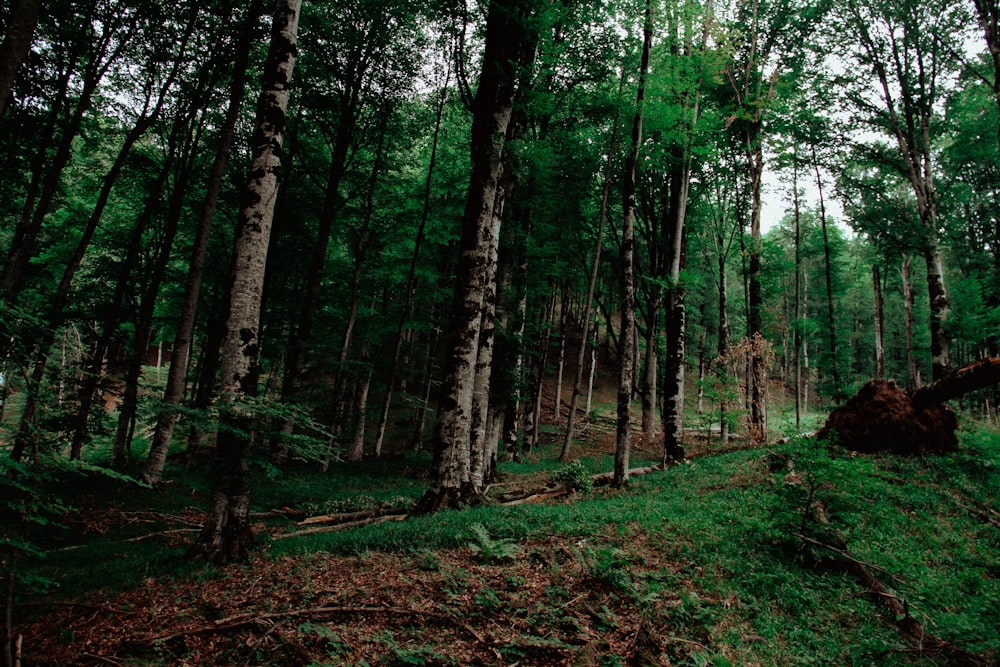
(626, 355)
(879, 326)
(21, 23)
(912, 375)
(506, 39)
(838, 389)
(227, 534)
(179, 355)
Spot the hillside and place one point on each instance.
(749, 557)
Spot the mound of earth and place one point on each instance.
(881, 417)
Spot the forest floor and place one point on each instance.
(737, 557)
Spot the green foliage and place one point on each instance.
(575, 475)
(492, 550)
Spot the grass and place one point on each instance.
(697, 565)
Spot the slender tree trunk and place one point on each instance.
(838, 389)
(411, 276)
(227, 533)
(879, 326)
(563, 336)
(939, 310)
(626, 356)
(797, 328)
(174, 391)
(722, 364)
(157, 273)
(805, 346)
(913, 379)
(21, 23)
(755, 303)
(533, 417)
(650, 371)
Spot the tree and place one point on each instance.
(21, 22)
(174, 390)
(902, 44)
(226, 535)
(627, 347)
(508, 42)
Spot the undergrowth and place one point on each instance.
(702, 564)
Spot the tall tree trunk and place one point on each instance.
(174, 391)
(626, 356)
(479, 446)
(755, 302)
(21, 23)
(121, 452)
(722, 365)
(797, 327)
(879, 323)
(913, 377)
(506, 40)
(227, 533)
(411, 276)
(673, 388)
(838, 389)
(563, 340)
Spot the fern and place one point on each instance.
(492, 550)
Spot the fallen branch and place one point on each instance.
(900, 610)
(539, 497)
(342, 526)
(345, 517)
(605, 478)
(241, 620)
(283, 512)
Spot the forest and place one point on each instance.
(505, 332)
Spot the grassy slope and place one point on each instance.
(697, 565)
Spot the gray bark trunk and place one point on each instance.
(227, 534)
(626, 355)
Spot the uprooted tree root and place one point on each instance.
(883, 417)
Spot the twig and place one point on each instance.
(260, 640)
(539, 497)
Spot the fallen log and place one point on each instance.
(883, 417)
(899, 609)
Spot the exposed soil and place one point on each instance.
(882, 417)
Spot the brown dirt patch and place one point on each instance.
(881, 417)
